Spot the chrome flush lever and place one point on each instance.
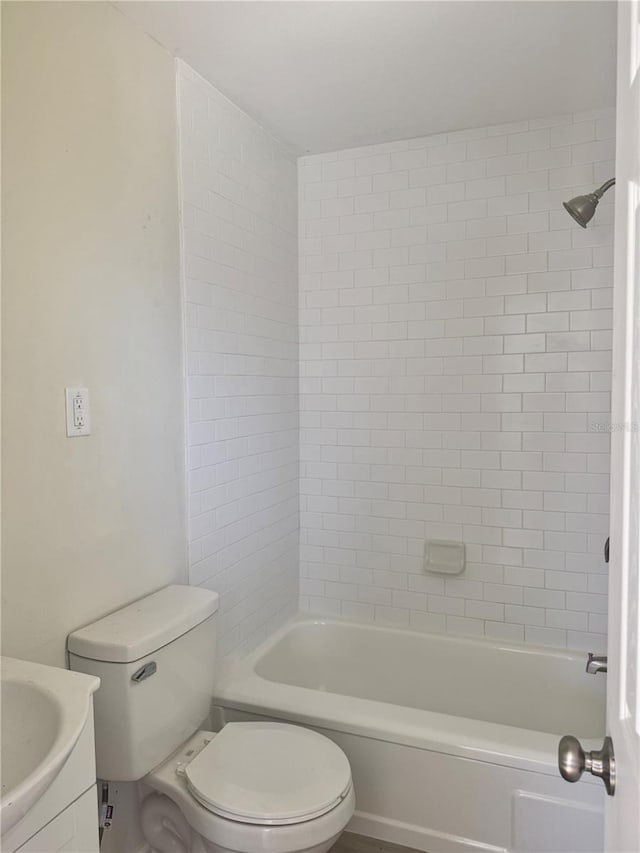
(596, 663)
(145, 672)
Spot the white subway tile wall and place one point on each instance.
(239, 206)
(455, 360)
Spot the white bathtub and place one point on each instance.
(452, 742)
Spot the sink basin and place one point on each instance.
(43, 711)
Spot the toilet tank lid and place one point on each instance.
(145, 626)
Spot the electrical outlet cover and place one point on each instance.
(77, 410)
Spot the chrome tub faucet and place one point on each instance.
(596, 663)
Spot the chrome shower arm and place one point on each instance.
(606, 186)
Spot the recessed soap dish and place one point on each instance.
(443, 557)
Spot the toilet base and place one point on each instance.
(166, 830)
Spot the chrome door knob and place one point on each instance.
(571, 758)
(573, 761)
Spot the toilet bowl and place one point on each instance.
(254, 787)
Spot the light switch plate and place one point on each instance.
(78, 416)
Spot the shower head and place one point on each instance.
(582, 207)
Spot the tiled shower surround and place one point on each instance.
(240, 267)
(455, 357)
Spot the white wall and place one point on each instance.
(455, 359)
(455, 365)
(240, 260)
(91, 296)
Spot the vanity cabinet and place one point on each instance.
(65, 818)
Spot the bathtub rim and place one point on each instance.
(241, 688)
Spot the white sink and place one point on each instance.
(43, 711)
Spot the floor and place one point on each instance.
(350, 843)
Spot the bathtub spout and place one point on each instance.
(596, 663)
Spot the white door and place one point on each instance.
(622, 821)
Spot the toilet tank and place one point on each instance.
(155, 661)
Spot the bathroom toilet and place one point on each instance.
(250, 788)
(253, 787)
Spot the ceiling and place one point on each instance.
(327, 75)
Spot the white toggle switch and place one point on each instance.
(78, 420)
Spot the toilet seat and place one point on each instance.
(269, 774)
